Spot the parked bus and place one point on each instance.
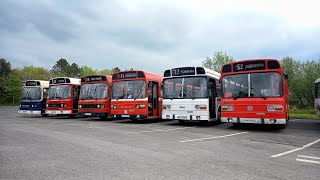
(317, 97)
(63, 96)
(191, 94)
(136, 95)
(94, 99)
(34, 96)
(254, 91)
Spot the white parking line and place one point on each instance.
(297, 149)
(309, 157)
(160, 130)
(214, 137)
(309, 161)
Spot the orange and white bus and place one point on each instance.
(63, 96)
(254, 91)
(94, 99)
(136, 95)
(317, 97)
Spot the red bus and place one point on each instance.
(94, 99)
(136, 95)
(254, 91)
(63, 96)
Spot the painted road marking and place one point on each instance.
(297, 149)
(214, 137)
(309, 157)
(160, 130)
(308, 161)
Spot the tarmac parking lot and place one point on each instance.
(36, 147)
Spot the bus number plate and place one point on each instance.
(249, 121)
(87, 114)
(125, 115)
(182, 117)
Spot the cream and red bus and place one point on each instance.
(191, 94)
(63, 96)
(95, 96)
(136, 95)
(254, 91)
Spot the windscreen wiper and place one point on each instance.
(188, 95)
(179, 92)
(239, 95)
(261, 95)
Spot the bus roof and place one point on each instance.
(133, 74)
(317, 81)
(40, 83)
(261, 64)
(64, 80)
(95, 78)
(191, 71)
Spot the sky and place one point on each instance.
(155, 35)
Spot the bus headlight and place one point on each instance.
(227, 108)
(102, 106)
(98, 105)
(203, 107)
(275, 108)
(47, 105)
(140, 106)
(114, 106)
(80, 106)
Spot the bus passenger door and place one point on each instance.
(212, 98)
(152, 98)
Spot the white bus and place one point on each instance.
(191, 94)
(317, 96)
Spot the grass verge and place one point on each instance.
(302, 114)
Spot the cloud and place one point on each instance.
(154, 35)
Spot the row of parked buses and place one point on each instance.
(249, 91)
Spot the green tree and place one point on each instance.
(13, 86)
(5, 70)
(86, 70)
(5, 67)
(219, 58)
(74, 70)
(60, 68)
(34, 73)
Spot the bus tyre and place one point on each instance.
(72, 116)
(236, 125)
(282, 126)
(103, 117)
(44, 115)
(182, 121)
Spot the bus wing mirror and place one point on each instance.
(286, 76)
(161, 85)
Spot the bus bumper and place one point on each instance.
(129, 116)
(186, 117)
(93, 114)
(253, 120)
(29, 112)
(59, 112)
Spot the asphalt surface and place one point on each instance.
(34, 147)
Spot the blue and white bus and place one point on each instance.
(34, 96)
(191, 94)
